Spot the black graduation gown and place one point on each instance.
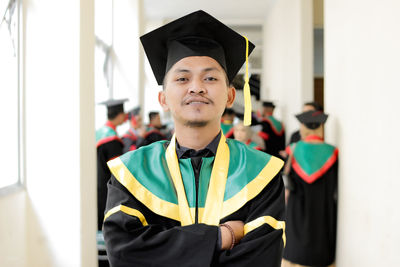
(295, 137)
(274, 141)
(144, 238)
(152, 135)
(105, 152)
(311, 214)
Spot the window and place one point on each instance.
(10, 133)
(103, 57)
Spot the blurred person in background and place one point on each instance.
(227, 122)
(136, 130)
(311, 181)
(244, 134)
(273, 131)
(295, 137)
(153, 132)
(109, 145)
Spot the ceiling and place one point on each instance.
(239, 11)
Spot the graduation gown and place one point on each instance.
(227, 129)
(152, 135)
(312, 204)
(151, 207)
(273, 134)
(109, 146)
(295, 137)
(253, 145)
(130, 140)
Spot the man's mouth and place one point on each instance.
(196, 101)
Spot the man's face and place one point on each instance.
(156, 121)
(267, 111)
(121, 118)
(241, 133)
(137, 121)
(196, 92)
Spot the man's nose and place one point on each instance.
(197, 87)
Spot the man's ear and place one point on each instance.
(231, 96)
(162, 100)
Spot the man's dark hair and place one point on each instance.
(312, 125)
(153, 114)
(112, 114)
(316, 106)
(228, 111)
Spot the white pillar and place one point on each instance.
(362, 97)
(287, 77)
(87, 147)
(60, 147)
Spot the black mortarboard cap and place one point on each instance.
(196, 34)
(312, 119)
(268, 104)
(114, 105)
(134, 112)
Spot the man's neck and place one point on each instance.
(111, 124)
(196, 137)
(154, 126)
(268, 114)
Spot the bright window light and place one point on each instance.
(10, 94)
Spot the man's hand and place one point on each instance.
(226, 236)
(283, 154)
(287, 193)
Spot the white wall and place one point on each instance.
(55, 221)
(287, 77)
(362, 97)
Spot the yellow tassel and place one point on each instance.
(246, 89)
(247, 104)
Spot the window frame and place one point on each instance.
(20, 183)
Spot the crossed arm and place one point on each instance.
(135, 236)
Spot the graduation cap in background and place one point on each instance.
(312, 119)
(134, 112)
(229, 111)
(254, 120)
(198, 34)
(114, 106)
(254, 83)
(132, 115)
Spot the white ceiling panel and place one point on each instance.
(229, 11)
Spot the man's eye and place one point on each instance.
(211, 79)
(181, 79)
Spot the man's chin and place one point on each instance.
(196, 123)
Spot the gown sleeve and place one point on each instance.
(264, 238)
(112, 150)
(135, 236)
